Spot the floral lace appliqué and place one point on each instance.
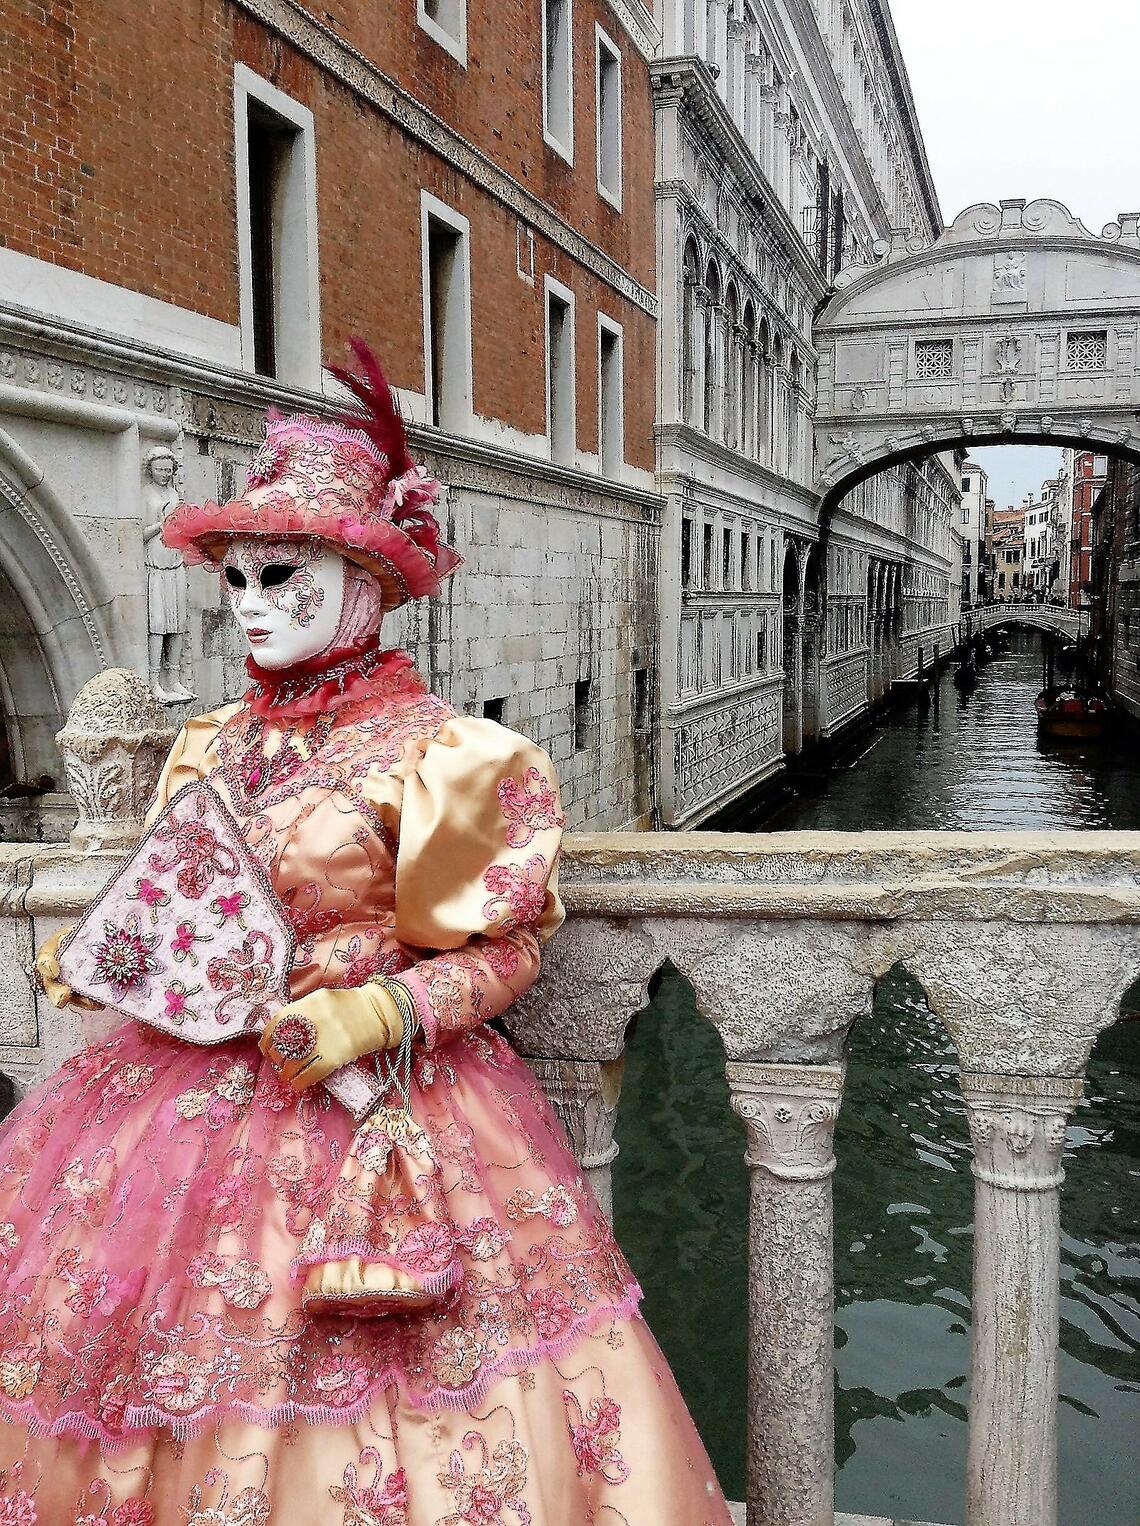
(530, 805)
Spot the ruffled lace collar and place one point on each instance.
(331, 681)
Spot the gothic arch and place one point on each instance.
(1017, 325)
(53, 635)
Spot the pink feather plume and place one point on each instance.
(381, 420)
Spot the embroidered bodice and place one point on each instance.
(401, 838)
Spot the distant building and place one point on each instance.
(1006, 540)
(1116, 583)
(1087, 474)
(971, 526)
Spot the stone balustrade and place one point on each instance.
(1024, 945)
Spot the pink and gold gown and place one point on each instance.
(160, 1203)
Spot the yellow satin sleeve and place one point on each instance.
(191, 757)
(479, 834)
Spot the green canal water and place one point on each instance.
(903, 1190)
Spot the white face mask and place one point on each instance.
(287, 596)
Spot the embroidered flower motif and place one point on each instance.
(196, 851)
(249, 1507)
(556, 1204)
(266, 464)
(372, 1505)
(594, 1437)
(177, 1001)
(456, 1357)
(182, 944)
(125, 958)
(133, 1513)
(18, 1509)
(551, 1311)
(20, 1368)
(484, 1238)
(177, 1381)
(151, 895)
(112, 1404)
(245, 975)
(226, 1094)
(428, 1248)
(530, 804)
(9, 1238)
(340, 1379)
(245, 1285)
(519, 892)
(230, 908)
(495, 1485)
(501, 956)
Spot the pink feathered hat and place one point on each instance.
(350, 482)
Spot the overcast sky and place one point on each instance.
(1027, 98)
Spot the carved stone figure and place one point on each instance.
(166, 597)
(1009, 275)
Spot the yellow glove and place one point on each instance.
(312, 1037)
(57, 991)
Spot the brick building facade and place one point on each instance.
(200, 202)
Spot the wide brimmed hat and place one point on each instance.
(350, 482)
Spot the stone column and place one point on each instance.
(584, 1094)
(789, 1112)
(1017, 1124)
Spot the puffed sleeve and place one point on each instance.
(476, 873)
(191, 756)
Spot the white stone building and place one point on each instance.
(971, 523)
(787, 143)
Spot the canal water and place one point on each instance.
(903, 1190)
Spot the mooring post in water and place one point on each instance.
(1017, 1124)
(789, 1112)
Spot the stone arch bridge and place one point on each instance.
(1017, 325)
(1070, 623)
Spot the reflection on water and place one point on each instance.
(903, 1188)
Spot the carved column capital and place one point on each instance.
(789, 1113)
(584, 1094)
(1017, 1124)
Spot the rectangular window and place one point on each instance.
(560, 372)
(608, 107)
(494, 709)
(707, 558)
(933, 359)
(745, 560)
(687, 553)
(640, 700)
(558, 76)
(581, 715)
(762, 647)
(611, 398)
(726, 559)
(446, 21)
(447, 314)
(965, 484)
(277, 232)
(1086, 350)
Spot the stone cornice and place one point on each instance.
(639, 25)
(685, 437)
(703, 105)
(321, 45)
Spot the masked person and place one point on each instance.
(200, 1264)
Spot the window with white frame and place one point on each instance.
(446, 21)
(611, 398)
(277, 231)
(609, 124)
(558, 76)
(446, 274)
(560, 371)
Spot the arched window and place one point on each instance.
(712, 315)
(763, 394)
(691, 278)
(733, 349)
(748, 387)
(779, 454)
(792, 415)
